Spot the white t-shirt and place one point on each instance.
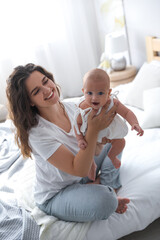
(44, 140)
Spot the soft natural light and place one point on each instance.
(26, 24)
(61, 35)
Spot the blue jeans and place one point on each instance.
(83, 202)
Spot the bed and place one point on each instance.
(140, 172)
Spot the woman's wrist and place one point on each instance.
(91, 138)
(92, 131)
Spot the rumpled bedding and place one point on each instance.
(21, 219)
(140, 175)
(16, 223)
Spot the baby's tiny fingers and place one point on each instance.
(105, 140)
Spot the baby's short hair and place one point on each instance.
(96, 74)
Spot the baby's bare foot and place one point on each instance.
(116, 162)
(122, 205)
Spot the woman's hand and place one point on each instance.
(102, 120)
(80, 164)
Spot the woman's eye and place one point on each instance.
(45, 81)
(100, 93)
(89, 93)
(36, 92)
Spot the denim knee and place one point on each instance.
(106, 203)
(82, 203)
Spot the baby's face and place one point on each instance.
(96, 93)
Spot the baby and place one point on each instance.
(96, 89)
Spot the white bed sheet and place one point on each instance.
(140, 175)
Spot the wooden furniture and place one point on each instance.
(121, 77)
(152, 48)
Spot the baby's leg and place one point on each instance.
(109, 175)
(116, 149)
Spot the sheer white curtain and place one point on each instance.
(61, 35)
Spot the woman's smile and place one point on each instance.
(50, 95)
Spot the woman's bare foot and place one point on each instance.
(122, 205)
(97, 181)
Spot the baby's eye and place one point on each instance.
(89, 93)
(100, 93)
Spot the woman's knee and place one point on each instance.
(95, 202)
(106, 203)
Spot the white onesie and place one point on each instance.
(117, 129)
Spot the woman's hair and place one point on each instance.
(23, 115)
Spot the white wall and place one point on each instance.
(142, 19)
(65, 40)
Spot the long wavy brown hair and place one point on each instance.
(23, 115)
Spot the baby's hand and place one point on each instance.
(82, 144)
(106, 140)
(138, 129)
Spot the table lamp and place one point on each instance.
(115, 46)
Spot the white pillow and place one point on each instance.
(148, 77)
(155, 62)
(3, 113)
(151, 103)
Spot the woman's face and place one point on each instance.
(42, 91)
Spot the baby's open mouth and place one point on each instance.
(95, 103)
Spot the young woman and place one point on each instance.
(45, 131)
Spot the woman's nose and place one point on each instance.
(46, 90)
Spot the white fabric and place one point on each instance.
(148, 77)
(151, 103)
(51, 227)
(45, 139)
(71, 48)
(3, 112)
(117, 129)
(155, 62)
(140, 175)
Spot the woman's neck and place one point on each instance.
(52, 113)
(56, 114)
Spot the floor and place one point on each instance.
(152, 232)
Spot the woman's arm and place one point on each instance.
(80, 164)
